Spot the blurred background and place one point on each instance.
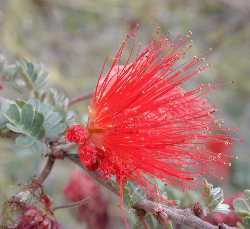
(73, 37)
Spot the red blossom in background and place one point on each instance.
(143, 122)
(95, 212)
(33, 218)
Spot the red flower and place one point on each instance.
(33, 218)
(143, 123)
(95, 212)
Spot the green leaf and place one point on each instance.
(246, 222)
(29, 145)
(34, 75)
(53, 124)
(37, 126)
(28, 116)
(24, 75)
(4, 106)
(241, 207)
(58, 99)
(214, 198)
(9, 72)
(13, 114)
(25, 141)
(25, 120)
(222, 208)
(70, 118)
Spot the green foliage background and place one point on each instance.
(73, 37)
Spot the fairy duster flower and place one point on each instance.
(143, 123)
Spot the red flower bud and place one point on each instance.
(32, 218)
(77, 134)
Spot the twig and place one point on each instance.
(72, 205)
(80, 98)
(179, 216)
(36, 183)
(39, 180)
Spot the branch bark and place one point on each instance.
(46, 170)
(160, 211)
(72, 205)
(179, 216)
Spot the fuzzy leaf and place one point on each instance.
(70, 118)
(54, 124)
(25, 120)
(214, 198)
(58, 99)
(222, 208)
(13, 114)
(29, 145)
(4, 106)
(24, 75)
(34, 75)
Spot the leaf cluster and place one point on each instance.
(41, 115)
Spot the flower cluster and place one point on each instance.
(143, 123)
(33, 218)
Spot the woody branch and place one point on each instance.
(162, 212)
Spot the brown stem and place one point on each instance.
(45, 172)
(80, 98)
(160, 211)
(72, 205)
(179, 216)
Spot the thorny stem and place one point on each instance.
(72, 205)
(80, 98)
